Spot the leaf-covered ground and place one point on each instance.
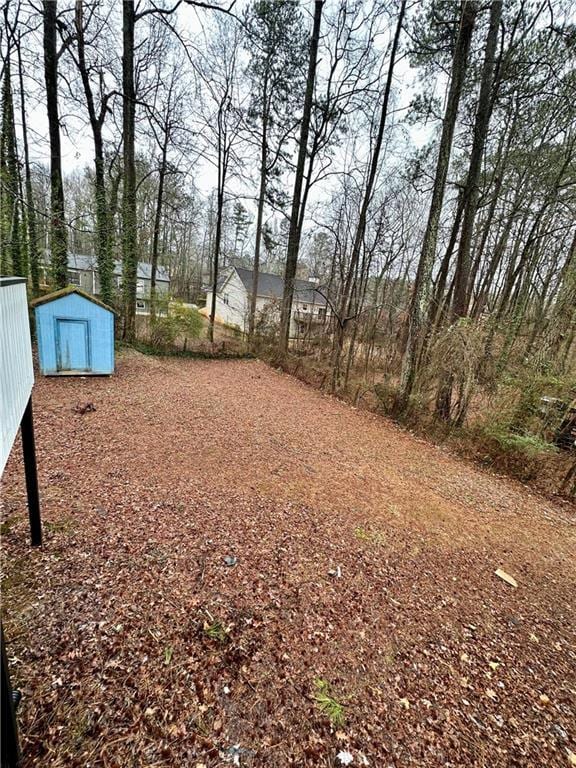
(240, 570)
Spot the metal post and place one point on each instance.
(29, 451)
(10, 747)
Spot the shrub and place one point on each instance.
(163, 332)
(188, 321)
(176, 320)
(531, 445)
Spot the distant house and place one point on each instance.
(83, 273)
(234, 292)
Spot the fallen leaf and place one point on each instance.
(506, 577)
(544, 699)
(405, 703)
(491, 694)
(159, 571)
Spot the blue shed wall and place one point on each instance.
(100, 325)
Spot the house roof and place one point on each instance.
(145, 271)
(89, 264)
(66, 292)
(272, 286)
(223, 276)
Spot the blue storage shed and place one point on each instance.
(75, 334)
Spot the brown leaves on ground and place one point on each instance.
(135, 643)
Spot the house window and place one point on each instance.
(74, 278)
(139, 288)
(140, 304)
(118, 281)
(304, 307)
(322, 313)
(226, 299)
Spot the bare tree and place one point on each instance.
(98, 107)
(222, 124)
(33, 250)
(295, 230)
(275, 41)
(469, 202)
(344, 314)
(421, 292)
(58, 231)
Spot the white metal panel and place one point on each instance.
(16, 370)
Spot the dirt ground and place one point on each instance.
(239, 570)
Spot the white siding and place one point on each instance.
(231, 303)
(16, 371)
(232, 306)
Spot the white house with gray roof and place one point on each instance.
(83, 272)
(309, 307)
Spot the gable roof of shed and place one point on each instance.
(66, 292)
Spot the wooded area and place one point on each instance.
(416, 159)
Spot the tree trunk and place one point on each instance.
(111, 215)
(496, 184)
(58, 232)
(367, 198)
(33, 254)
(12, 261)
(422, 285)
(259, 218)
(217, 242)
(223, 150)
(129, 225)
(563, 315)
(470, 197)
(471, 190)
(103, 249)
(439, 296)
(495, 262)
(157, 220)
(294, 231)
(520, 304)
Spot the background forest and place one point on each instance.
(417, 159)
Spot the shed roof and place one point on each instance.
(66, 292)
